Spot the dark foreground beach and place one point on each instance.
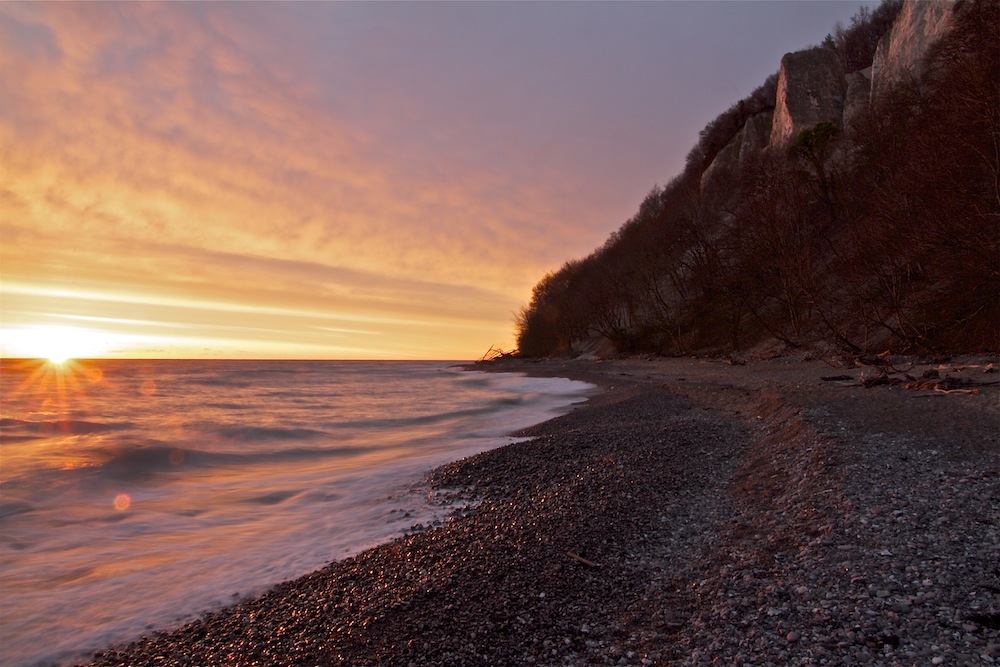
(693, 513)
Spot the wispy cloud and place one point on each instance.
(414, 166)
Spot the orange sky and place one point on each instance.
(324, 180)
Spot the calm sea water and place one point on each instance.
(136, 494)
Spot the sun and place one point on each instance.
(56, 344)
(57, 358)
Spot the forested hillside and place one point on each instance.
(852, 203)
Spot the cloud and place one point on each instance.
(226, 300)
(172, 131)
(428, 160)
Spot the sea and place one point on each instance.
(136, 495)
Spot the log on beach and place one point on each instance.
(691, 512)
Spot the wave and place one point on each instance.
(445, 417)
(128, 463)
(230, 377)
(273, 498)
(213, 381)
(21, 429)
(258, 433)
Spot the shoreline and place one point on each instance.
(690, 511)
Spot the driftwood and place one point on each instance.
(958, 391)
(930, 380)
(496, 352)
(588, 563)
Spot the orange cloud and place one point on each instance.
(156, 160)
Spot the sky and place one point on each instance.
(349, 180)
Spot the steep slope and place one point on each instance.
(851, 202)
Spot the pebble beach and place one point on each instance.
(695, 512)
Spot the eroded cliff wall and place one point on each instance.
(813, 87)
(920, 23)
(811, 90)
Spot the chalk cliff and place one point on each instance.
(813, 87)
(752, 138)
(859, 86)
(811, 90)
(920, 23)
(879, 236)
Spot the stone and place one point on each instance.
(811, 90)
(856, 99)
(919, 24)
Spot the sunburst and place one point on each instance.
(57, 344)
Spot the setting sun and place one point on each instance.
(57, 344)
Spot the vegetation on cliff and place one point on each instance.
(878, 230)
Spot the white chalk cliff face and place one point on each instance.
(859, 86)
(751, 139)
(813, 88)
(920, 23)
